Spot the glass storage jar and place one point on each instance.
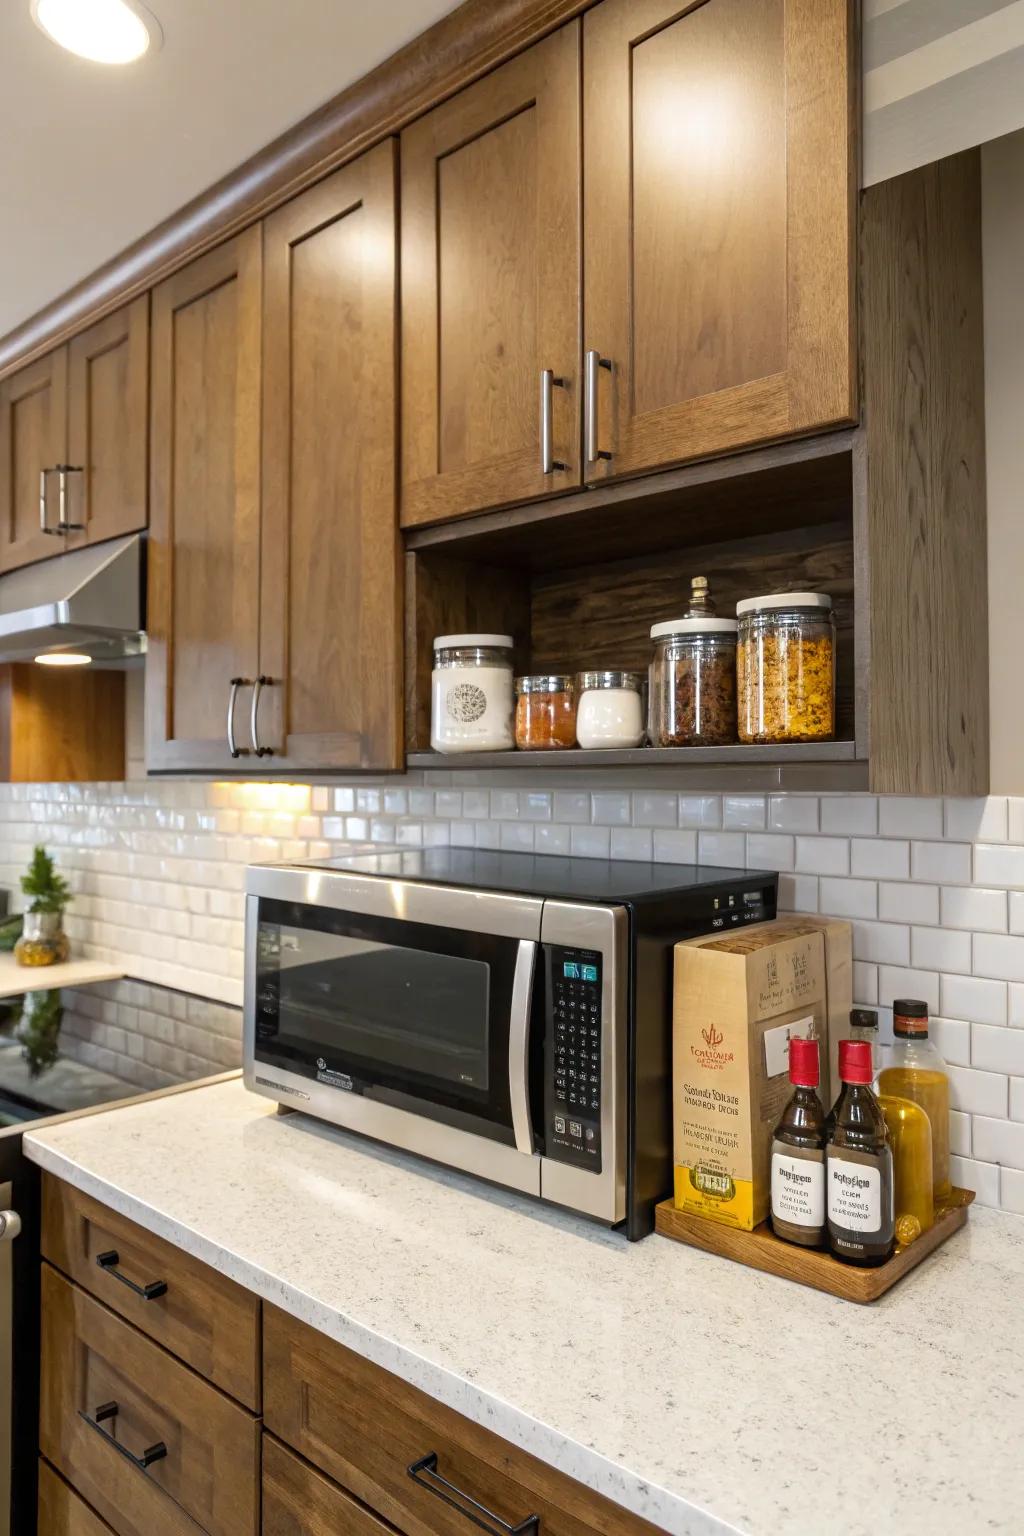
(785, 667)
(471, 694)
(610, 712)
(693, 683)
(545, 712)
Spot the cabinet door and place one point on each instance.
(717, 225)
(330, 649)
(490, 287)
(108, 424)
(33, 438)
(203, 622)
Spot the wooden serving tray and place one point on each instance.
(761, 1249)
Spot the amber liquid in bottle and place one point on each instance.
(798, 1155)
(859, 1167)
(918, 1073)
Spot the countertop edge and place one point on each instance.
(675, 1515)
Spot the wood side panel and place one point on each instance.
(61, 726)
(331, 638)
(365, 1427)
(203, 607)
(33, 437)
(299, 1501)
(926, 508)
(690, 111)
(62, 1512)
(205, 1319)
(209, 1479)
(490, 286)
(458, 49)
(108, 424)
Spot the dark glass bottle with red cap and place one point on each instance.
(858, 1166)
(798, 1155)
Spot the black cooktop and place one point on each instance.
(543, 874)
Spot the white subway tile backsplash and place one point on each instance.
(700, 811)
(978, 1093)
(770, 850)
(1011, 1190)
(997, 1048)
(823, 855)
(591, 842)
(879, 859)
(1017, 1098)
(571, 806)
(610, 809)
(998, 1141)
(900, 981)
(1016, 911)
(865, 984)
(518, 836)
(970, 997)
(1016, 1004)
(854, 815)
(798, 893)
(534, 805)
(848, 898)
(940, 949)
(959, 1133)
(671, 847)
(901, 902)
(900, 816)
(976, 820)
(551, 839)
(632, 843)
(655, 810)
(793, 813)
(974, 908)
(998, 866)
(1015, 814)
(945, 863)
(952, 1040)
(505, 805)
(743, 812)
(983, 1178)
(881, 943)
(998, 955)
(726, 848)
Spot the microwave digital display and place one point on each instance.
(575, 970)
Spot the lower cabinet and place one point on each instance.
(135, 1442)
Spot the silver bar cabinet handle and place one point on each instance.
(63, 525)
(594, 361)
(548, 462)
(44, 526)
(233, 748)
(254, 714)
(519, 1046)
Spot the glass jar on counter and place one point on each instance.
(545, 712)
(785, 667)
(610, 712)
(693, 683)
(471, 694)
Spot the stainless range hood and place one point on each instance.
(88, 600)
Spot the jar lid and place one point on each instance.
(634, 680)
(699, 626)
(784, 600)
(455, 642)
(553, 682)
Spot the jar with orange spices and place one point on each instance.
(785, 667)
(545, 712)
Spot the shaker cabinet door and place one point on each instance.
(108, 425)
(330, 649)
(33, 439)
(203, 623)
(717, 226)
(490, 288)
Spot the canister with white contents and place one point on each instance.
(472, 706)
(610, 711)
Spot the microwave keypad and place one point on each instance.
(572, 1095)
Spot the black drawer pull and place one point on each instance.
(155, 1452)
(150, 1292)
(426, 1474)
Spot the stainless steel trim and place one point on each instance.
(42, 501)
(605, 929)
(548, 462)
(508, 917)
(519, 1046)
(254, 730)
(63, 523)
(594, 362)
(233, 748)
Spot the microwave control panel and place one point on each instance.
(572, 1058)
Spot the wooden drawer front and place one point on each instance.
(298, 1501)
(365, 1428)
(203, 1318)
(62, 1512)
(209, 1476)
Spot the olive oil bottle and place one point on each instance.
(917, 1072)
(798, 1154)
(858, 1166)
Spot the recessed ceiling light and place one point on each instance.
(105, 31)
(64, 659)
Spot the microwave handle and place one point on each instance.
(519, 1046)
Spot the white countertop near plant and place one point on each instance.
(16, 979)
(699, 1394)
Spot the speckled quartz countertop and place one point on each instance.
(702, 1395)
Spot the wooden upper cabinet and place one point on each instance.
(330, 649)
(717, 224)
(490, 287)
(33, 439)
(203, 622)
(108, 425)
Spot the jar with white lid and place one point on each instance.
(610, 711)
(693, 682)
(471, 694)
(785, 667)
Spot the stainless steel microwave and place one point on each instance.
(507, 1014)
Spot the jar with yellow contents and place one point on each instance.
(785, 667)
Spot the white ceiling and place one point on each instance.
(94, 156)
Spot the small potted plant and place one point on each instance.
(43, 940)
